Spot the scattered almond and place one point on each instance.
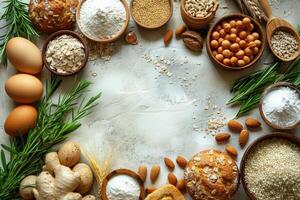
(142, 172)
(244, 136)
(179, 30)
(231, 150)
(181, 184)
(181, 161)
(235, 126)
(168, 37)
(252, 123)
(169, 163)
(172, 179)
(150, 189)
(222, 137)
(154, 172)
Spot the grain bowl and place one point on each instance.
(235, 42)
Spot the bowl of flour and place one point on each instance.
(102, 20)
(122, 184)
(280, 106)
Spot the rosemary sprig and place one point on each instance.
(53, 125)
(17, 23)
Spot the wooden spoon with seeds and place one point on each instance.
(275, 24)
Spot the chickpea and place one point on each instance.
(220, 57)
(251, 45)
(222, 33)
(220, 49)
(232, 37)
(214, 44)
(243, 34)
(215, 35)
(251, 27)
(243, 44)
(246, 21)
(227, 37)
(258, 43)
(227, 27)
(255, 35)
(250, 38)
(215, 53)
(226, 61)
(240, 54)
(235, 47)
(241, 63)
(255, 50)
(233, 60)
(226, 53)
(238, 40)
(246, 59)
(220, 40)
(233, 30)
(218, 28)
(226, 44)
(248, 51)
(239, 25)
(232, 23)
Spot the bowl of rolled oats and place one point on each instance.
(197, 14)
(65, 53)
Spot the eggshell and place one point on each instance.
(69, 154)
(24, 55)
(20, 120)
(24, 88)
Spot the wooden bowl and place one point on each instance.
(151, 27)
(267, 90)
(122, 172)
(257, 27)
(55, 35)
(112, 39)
(197, 22)
(291, 138)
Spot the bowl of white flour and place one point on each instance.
(102, 20)
(280, 106)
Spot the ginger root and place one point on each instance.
(56, 182)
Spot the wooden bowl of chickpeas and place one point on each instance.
(235, 42)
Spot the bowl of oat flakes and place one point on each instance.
(197, 14)
(65, 53)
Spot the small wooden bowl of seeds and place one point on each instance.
(123, 179)
(268, 166)
(151, 15)
(65, 53)
(197, 16)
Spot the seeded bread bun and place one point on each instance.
(167, 192)
(211, 175)
(50, 16)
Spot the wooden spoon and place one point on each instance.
(276, 23)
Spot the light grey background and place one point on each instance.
(144, 116)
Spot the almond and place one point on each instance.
(235, 126)
(172, 179)
(181, 184)
(244, 136)
(252, 123)
(150, 189)
(179, 30)
(154, 172)
(181, 161)
(222, 137)
(168, 37)
(142, 172)
(169, 163)
(231, 150)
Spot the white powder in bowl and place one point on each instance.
(102, 19)
(281, 106)
(122, 187)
